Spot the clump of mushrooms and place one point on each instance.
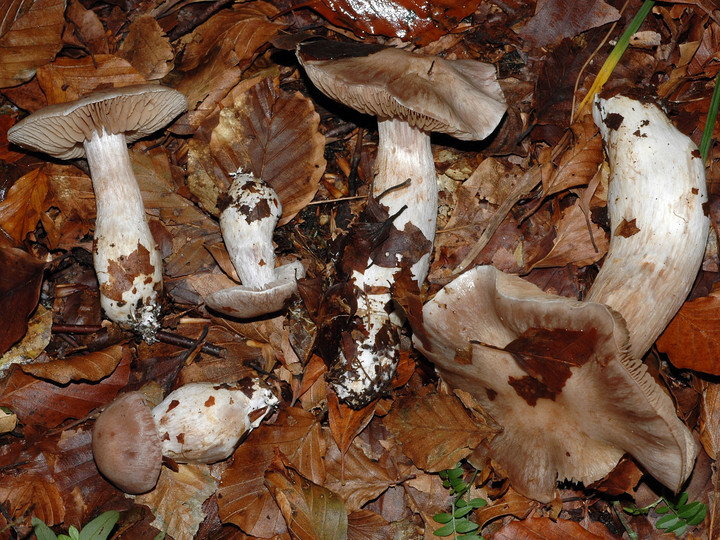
(249, 215)
(98, 127)
(570, 412)
(197, 423)
(411, 96)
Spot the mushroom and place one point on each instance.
(558, 376)
(571, 416)
(197, 423)
(127, 261)
(251, 212)
(411, 95)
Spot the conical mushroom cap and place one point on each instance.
(460, 97)
(568, 412)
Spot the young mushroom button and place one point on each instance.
(252, 210)
(99, 126)
(411, 96)
(197, 423)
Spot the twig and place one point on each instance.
(619, 513)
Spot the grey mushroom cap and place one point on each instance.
(459, 97)
(248, 302)
(136, 111)
(126, 446)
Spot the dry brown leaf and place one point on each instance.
(46, 404)
(147, 48)
(71, 192)
(572, 243)
(547, 529)
(346, 423)
(30, 36)
(7, 155)
(270, 133)
(35, 495)
(89, 367)
(33, 343)
(87, 28)
(579, 163)
(177, 500)
(367, 525)
(557, 19)
(311, 512)
(710, 420)
(68, 79)
(435, 431)
(23, 205)
(20, 282)
(692, 339)
(242, 497)
(510, 504)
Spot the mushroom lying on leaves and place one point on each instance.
(197, 423)
(99, 126)
(411, 95)
(565, 378)
(248, 219)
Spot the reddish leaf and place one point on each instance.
(347, 423)
(20, 282)
(42, 403)
(6, 155)
(89, 367)
(692, 339)
(547, 529)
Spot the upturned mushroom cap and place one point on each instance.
(203, 422)
(60, 130)
(460, 97)
(568, 412)
(125, 444)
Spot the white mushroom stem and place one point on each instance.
(203, 422)
(247, 225)
(404, 177)
(127, 261)
(659, 228)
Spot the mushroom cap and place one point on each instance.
(569, 412)
(459, 97)
(247, 302)
(125, 444)
(202, 422)
(60, 130)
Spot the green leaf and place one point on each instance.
(465, 526)
(443, 517)
(662, 509)
(462, 512)
(100, 527)
(699, 517)
(682, 500)
(447, 530)
(477, 503)
(470, 537)
(667, 521)
(159, 536)
(42, 531)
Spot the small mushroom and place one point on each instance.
(197, 423)
(411, 96)
(573, 419)
(127, 261)
(248, 220)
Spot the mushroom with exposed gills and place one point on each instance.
(98, 127)
(570, 412)
(250, 213)
(197, 423)
(411, 96)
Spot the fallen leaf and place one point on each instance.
(20, 283)
(346, 423)
(692, 339)
(242, 497)
(177, 500)
(33, 342)
(368, 525)
(547, 529)
(435, 430)
(89, 367)
(30, 36)
(311, 512)
(710, 420)
(147, 48)
(23, 205)
(46, 404)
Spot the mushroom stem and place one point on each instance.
(127, 261)
(655, 201)
(404, 172)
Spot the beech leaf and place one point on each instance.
(89, 367)
(24, 203)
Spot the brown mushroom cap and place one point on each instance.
(564, 417)
(459, 97)
(137, 111)
(125, 444)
